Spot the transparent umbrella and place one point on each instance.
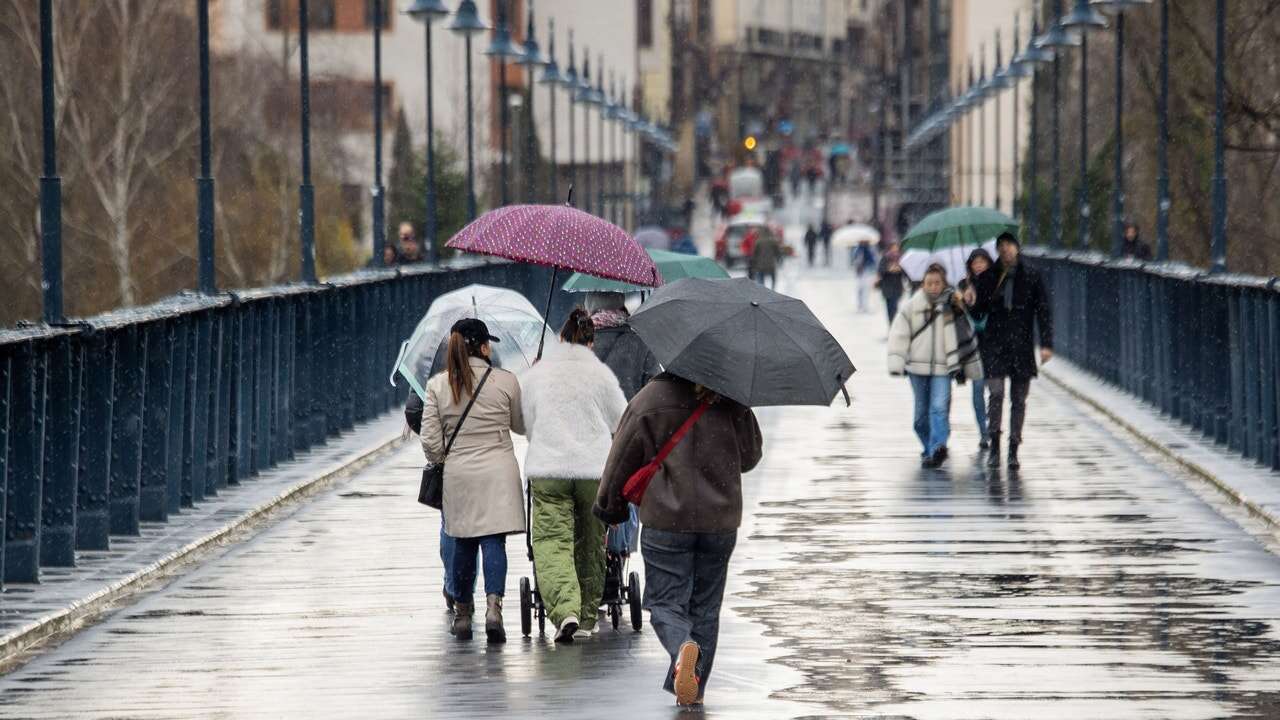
(510, 317)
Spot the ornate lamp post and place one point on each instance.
(306, 192)
(570, 82)
(1033, 57)
(531, 61)
(1084, 18)
(428, 12)
(503, 49)
(551, 77)
(204, 183)
(1219, 247)
(1056, 40)
(467, 23)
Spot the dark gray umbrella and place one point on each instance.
(743, 341)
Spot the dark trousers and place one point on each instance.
(891, 305)
(684, 577)
(768, 279)
(465, 553)
(1018, 389)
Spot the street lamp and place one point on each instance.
(377, 191)
(204, 183)
(503, 49)
(583, 96)
(1033, 57)
(1163, 202)
(306, 192)
(598, 99)
(428, 12)
(1000, 81)
(984, 90)
(1084, 18)
(530, 61)
(551, 77)
(466, 22)
(1219, 247)
(570, 82)
(1057, 40)
(50, 183)
(1118, 7)
(1015, 71)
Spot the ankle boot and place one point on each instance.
(493, 620)
(993, 459)
(1013, 456)
(462, 620)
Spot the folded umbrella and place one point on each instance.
(743, 341)
(947, 237)
(671, 265)
(561, 237)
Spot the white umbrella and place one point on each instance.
(509, 315)
(653, 238)
(953, 258)
(850, 235)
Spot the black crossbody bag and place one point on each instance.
(431, 492)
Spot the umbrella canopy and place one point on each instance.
(653, 238)
(672, 265)
(850, 235)
(840, 150)
(743, 341)
(561, 237)
(510, 317)
(947, 237)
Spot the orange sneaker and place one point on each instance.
(686, 681)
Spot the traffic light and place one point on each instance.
(750, 142)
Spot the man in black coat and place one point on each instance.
(1012, 296)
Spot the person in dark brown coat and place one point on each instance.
(690, 513)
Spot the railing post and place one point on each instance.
(126, 430)
(58, 501)
(93, 490)
(178, 440)
(6, 431)
(153, 503)
(26, 410)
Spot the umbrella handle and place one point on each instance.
(848, 402)
(569, 200)
(404, 350)
(551, 291)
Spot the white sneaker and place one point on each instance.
(568, 626)
(585, 630)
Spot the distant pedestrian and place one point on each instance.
(390, 256)
(765, 255)
(891, 280)
(864, 269)
(1134, 246)
(824, 234)
(810, 243)
(979, 262)
(1012, 297)
(797, 174)
(931, 344)
(410, 249)
(483, 497)
(691, 513)
(617, 345)
(572, 404)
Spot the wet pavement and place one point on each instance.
(1096, 583)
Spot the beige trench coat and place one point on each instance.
(482, 490)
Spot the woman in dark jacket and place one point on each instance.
(979, 262)
(617, 345)
(691, 513)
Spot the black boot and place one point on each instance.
(993, 459)
(1013, 456)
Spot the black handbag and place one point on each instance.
(431, 492)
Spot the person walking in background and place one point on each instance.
(864, 267)
(979, 262)
(891, 280)
(410, 248)
(1012, 297)
(483, 498)
(765, 256)
(810, 243)
(824, 234)
(572, 405)
(926, 345)
(691, 513)
(617, 345)
(1135, 247)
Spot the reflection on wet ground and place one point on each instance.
(1091, 585)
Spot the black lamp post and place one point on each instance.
(570, 82)
(551, 77)
(467, 23)
(582, 96)
(1033, 57)
(204, 183)
(306, 192)
(1056, 39)
(1082, 19)
(982, 126)
(503, 49)
(428, 12)
(1000, 81)
(598, 99)
(378, 193)
(1219, 248)
(1163, 201)
(1017, 70)
(531, 61)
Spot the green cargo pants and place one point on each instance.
(568, 548)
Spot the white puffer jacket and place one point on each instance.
(923, 341)
(572, 404)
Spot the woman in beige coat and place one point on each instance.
(483, 500)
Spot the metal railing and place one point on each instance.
(1202, 347)
(131, 416)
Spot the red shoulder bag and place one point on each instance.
(636, 485)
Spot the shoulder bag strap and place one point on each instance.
(466, 412)
(680, 433)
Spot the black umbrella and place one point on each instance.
(743, 341)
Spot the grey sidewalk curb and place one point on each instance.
(66, 620)
(1269, 516)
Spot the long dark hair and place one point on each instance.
(578, 329)
(978, 253)
(461, 380)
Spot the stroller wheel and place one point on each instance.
(633, 592)
(526, 608)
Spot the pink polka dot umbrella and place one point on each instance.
(560, 237)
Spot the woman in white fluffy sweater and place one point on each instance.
(572, 404)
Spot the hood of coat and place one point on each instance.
(572, 404)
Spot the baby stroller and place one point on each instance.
(620, 543)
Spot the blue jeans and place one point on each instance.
(447, 548)
(684, 576)
(980, 405)
(465, 551)
(933, 410)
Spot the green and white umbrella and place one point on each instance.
(672, 265)
(948, 237)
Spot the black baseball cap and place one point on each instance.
(474, 331)
(1008, 237)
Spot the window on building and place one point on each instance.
(644, 23)
(322, 14)
(370, 13)
(275, 14)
